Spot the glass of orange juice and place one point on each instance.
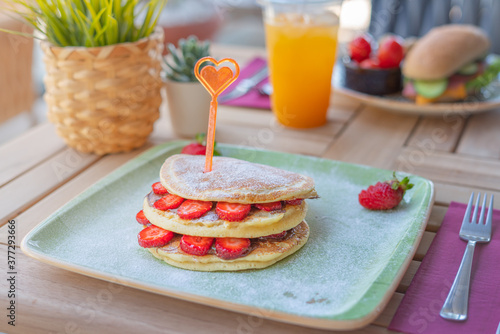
(301, 39)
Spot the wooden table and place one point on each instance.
(39, 174)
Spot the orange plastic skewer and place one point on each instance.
(215, 81)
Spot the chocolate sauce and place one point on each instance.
(265, 245)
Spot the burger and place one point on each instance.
(447, 64)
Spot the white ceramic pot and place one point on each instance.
(189, 107)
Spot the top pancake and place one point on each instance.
(232, 180)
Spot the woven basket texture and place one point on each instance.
(104, 99)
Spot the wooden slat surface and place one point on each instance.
(436, 133)
(372, 138)
(446, 193)
(481, 137)
(459, 154)
(20, 193)
(14, 161)
(451, 168)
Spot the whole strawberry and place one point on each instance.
(384, 195)
(194, 149)
(199, 147)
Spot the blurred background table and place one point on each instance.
(16, 92)
(39, 174)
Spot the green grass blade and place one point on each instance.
(113, 31)
(89, 22)
(55, 29)
(82, 20)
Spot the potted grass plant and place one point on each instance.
(188, 101)
(103, 65)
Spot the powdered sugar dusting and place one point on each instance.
(231, 180)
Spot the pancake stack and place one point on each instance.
(239, 216)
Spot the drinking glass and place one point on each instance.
(301, 41)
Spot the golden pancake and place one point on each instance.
(232, 180)
(263, 254)
(257, 224)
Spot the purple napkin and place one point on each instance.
(419, 309)
(252, 99)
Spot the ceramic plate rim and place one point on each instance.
(309, 321)
(437, 109)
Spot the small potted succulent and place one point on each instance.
(188, 101)
(103, 66)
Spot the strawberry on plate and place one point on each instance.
(159, 189)
(360, 48)
(196, 245)
(194, 149)
(231, 248)
(232, 211)
(370, 63)
(390, 52)
(192, 209)
(269, 206)
(167, 202)
(199, 147)
(154, 236)
(384, 195)
(141, 218)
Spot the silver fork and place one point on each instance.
(456, 304)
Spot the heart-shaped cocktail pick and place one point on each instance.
(215, 81)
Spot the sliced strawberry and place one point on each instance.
(231, 248)
(297, 201)
(196, 245)
(169, 201)
(192, 209)
(232, 211)
(159, 189)
(269, 206)
(154, 236)
(277, 236)
(141, 218)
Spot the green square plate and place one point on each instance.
(341, 279)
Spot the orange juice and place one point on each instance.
(301, 58)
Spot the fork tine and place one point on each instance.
(473, 219)
(489, 217)
(483, 209)
(469, 207)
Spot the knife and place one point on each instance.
(245, 85)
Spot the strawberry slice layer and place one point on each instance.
(297, 201)
(231, 248)
(192, 209)
(141, 218)
(154, 236)
(269, 206)
(167, 202)
(196, 245)
(159, 189)
(232, 211)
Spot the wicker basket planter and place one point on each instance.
(104, 99)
